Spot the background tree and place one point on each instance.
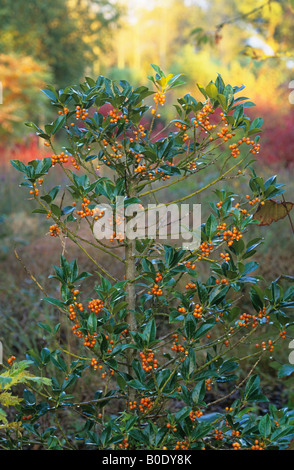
(66, 35)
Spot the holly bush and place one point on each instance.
(173, 336)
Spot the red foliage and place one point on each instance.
(277, 138)
(27, 150)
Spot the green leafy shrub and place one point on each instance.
(174, 353)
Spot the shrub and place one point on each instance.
(174, 351)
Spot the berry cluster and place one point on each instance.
(90, 340)
(65, 111)
(193, 415)
(258, 445)
(94, 363)
(156, 290)
(218, 435)
(269, 346)
(206, 248)
(171, 427)
(11, 360)
(245, 320)
(225, 257)
(85, 211)
(124, 444)
(81, 113)
(145, 404)
(222, 281)
(54, 230)
(197, 311)
(189, 265)
(34, 191)
(159, 97)
(202, 118)
(190, 285)
(208, 384)
(221, 227)
(182, 445)
(230, 235)
(25, 418)
(283, 334)
(148, 361)
(61, 158)
(178, 347)
(95, 305)
(236, 445)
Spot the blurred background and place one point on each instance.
(61, 42)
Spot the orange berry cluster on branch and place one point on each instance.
(95, 305)
(81, 113)
(34, 191)
(253, 201)
(225, 134)
(65, 111)
(11, 360)
(221, 227)
(25, 418)
(85, 212)
(208, 384)
(197, 311)
(193, 415)
(263, 314)
(106, 373)
(115, 116)
(171, 427)
(180, 126)
(76, 330)
(206, 248)
(148, 361)
(54, 230)
(202, 118)
(265, 346)
(178, 347)
(159, 97)
(182, 445)
(94, 363)
(189, 265)
(75, 163)
(255, 146)
(258, 445)
(225, 256)
(90, 340)
(61, 158)
(133, 405)
(182, 310)
(72, 313)
(190, 285)
(283, 334)
(218, 435)
(234, 150)
(124, 444)
(156, 290)
(245, 320)
(145, 404)
(236, 445)
(231, 235)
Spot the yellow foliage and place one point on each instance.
(17, 374)
(21, 78)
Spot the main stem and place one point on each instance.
(130, 274)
